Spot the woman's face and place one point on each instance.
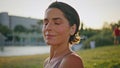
(56, 28)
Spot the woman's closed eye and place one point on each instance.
(45, 22)
(57, 22)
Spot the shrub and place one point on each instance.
(100, 40)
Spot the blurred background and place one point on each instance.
(21, 37)
(21, 25)
(21, 21)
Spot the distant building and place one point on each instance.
(25, 38)
(2, 42)
(2, 39)
(11, 21)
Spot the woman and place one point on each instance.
(60, 27)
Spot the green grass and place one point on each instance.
(35, 61)
(102, 57)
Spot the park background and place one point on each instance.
(98, 19)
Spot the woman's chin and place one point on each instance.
(51, 44)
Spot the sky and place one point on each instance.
(93, 13)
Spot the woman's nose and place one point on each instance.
(49, 26)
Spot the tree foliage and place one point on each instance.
(20, 28)
(101, 37)
(4, 29)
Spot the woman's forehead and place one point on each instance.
(53, 12)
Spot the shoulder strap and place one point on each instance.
(57, 64)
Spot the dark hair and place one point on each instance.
(71, 15)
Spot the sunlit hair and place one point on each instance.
(71, 15)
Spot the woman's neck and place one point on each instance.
(59, 50)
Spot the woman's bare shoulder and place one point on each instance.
(72, 61)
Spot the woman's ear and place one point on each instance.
(73, 29)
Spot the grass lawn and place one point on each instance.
(102, 57)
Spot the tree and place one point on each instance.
(81, 28)
(4, 29)
(39, 27)
(20, 28)
(106, 25)
(119, 22)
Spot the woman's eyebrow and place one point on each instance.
(45, 19)
(57, 18)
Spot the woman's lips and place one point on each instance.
(49, 36)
